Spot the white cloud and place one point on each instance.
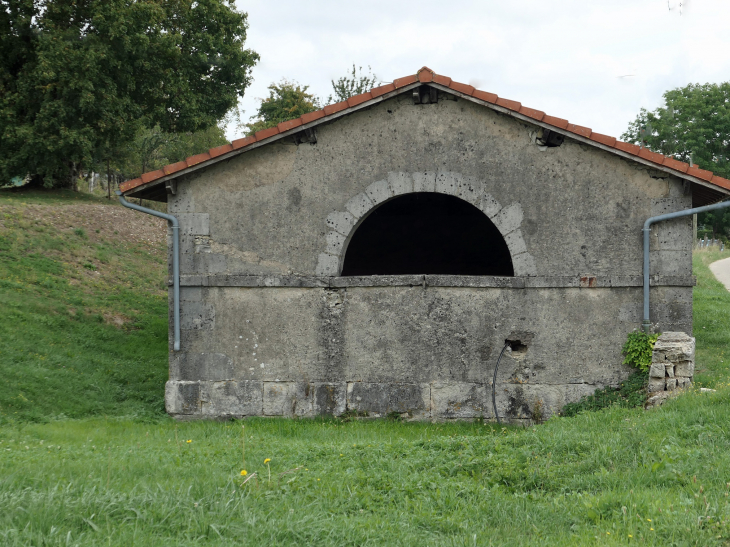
(565, 58)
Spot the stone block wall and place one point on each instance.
(672, 366)
(270, 327)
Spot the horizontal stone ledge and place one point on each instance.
(473, 281)
(253, 281)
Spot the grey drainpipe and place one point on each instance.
(175, 261)
(646, 324)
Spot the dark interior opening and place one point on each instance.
(517, 346)
(427, 233)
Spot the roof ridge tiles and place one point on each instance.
(425, 75)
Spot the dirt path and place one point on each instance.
(721, 270)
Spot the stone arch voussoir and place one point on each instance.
(343, 224)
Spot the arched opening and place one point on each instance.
(427, 233)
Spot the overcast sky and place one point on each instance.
(595, 63)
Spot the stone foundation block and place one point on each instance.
(285, 399)
(460, 400)
(674, 346)
(533, 402)
(673, 358)
(182, 397)
(304, 399)
(379, 400)
(685, 369)
(232, 398)
(656, 384)
(657, 370)
(329, 399)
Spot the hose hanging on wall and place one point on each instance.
(494, 382)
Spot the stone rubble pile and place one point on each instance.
(672, 366)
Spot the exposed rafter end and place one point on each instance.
(425, 94)
(308, 135)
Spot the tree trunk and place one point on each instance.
(73, 176)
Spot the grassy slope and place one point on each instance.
(83, 329)
(711, 322)
(615, 477)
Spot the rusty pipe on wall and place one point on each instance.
(175, 262)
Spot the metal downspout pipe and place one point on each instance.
(175, 261)
(646, 323)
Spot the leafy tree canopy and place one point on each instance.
(354, 83)
(79, 79)
(289, 100)
(153, 148)
(286, 101)
(693, 126)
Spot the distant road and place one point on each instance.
(721, 269)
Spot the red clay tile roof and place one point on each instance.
(426, 75)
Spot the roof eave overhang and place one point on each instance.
(144, 188)
(224, 157)
(583, 140)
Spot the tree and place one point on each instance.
(79, 79)
(693, 126)
(153, 148)
(289, 100)
(286, 101)
(352, 84)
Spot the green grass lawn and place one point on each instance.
(122, 473)
(83, 328)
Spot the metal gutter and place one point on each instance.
(646, 323)
(175, 261)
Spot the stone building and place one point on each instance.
(375, 256)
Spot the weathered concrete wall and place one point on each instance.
(269, 328)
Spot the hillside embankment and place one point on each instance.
(83, 294)
(88, 457)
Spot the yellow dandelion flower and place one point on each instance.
(189, 440)
(630, 536)
(649, 520)
(652, 529)
(244, 473)
(317, 479)
(267, 460)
